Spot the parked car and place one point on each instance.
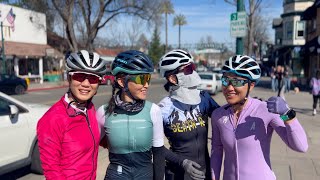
(107, 79)
(19, 146)
(210, 82)
(217, 71)
(12, 84)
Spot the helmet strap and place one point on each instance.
(77, 103)
(244, 100)
(126, 89)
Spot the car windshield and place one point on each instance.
(205, 76)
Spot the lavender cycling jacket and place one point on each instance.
(247, 143)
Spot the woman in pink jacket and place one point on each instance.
(68, 133)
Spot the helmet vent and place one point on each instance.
(75, 62)
(174, 55)
(184, 60)
(168, 62)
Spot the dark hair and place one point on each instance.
(115, 86)
(111, 104)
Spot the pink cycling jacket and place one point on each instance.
(247, 143)
(68, 145)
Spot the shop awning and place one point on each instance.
(313, 45)
(311, 12)
(28, 50)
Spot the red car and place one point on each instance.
(107, 79)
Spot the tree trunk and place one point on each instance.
(179, 35)
(251, 27)
(166, 47)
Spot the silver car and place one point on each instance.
(210, 82)
(18, 140)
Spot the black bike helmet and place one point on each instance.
(87, 62)
(132, 62)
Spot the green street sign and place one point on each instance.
(238, 24)
(233, 16)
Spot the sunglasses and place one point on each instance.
(188, 69)
(234, 82)
(80, 76)
(140, 78)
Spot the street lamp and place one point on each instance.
(2, 50)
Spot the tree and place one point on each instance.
(155, 48)
(96, 14)
(166, 9)
(142, 42)
(179, 20)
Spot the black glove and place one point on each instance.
(191, 168)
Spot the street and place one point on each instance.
(287, 164)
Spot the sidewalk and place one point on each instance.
(46, 85)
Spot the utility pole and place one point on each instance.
(2, 50)
(239, 40)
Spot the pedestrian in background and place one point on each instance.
(133, 126)
(68, 133)
(287, 78)
(242, 129)
(274, 84)
(185, 114)
(315, 85)
(279, 74)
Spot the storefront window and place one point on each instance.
(300, 29)
(289, 29)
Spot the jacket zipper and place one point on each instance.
(94, 145)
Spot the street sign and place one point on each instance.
(238, 24)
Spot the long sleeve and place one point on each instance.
(292, 134)
(158, 143)
(158, 163)
(49, 132)
(216, 150)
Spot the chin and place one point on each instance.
(82, 98)
(232, 102)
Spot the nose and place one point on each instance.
(146, 85)
(85, 82)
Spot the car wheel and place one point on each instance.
(35, 160)
(19, 89)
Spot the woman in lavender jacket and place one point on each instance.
(243, 127)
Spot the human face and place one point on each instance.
(83, 85)
(138, 86)
(232, 93)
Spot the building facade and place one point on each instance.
(24, 34)
(290, 36)
(311, 49)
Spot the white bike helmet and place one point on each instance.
(87, 62)
(243, 66)
(174, 59)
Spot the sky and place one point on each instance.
(211, 17)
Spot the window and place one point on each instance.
(289, 30)
(300, 29)
(4, 107)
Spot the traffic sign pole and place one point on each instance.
(239, 40)
(2, 50)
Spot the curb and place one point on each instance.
(46, 88)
